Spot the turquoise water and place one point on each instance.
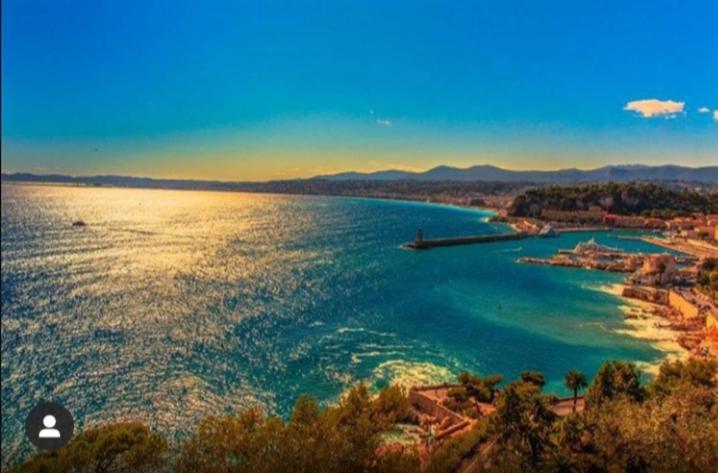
(171, 305)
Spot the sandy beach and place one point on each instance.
(642, 322)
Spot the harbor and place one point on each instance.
(591, 255)
(669, 283)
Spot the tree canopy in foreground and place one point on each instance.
(667, 425)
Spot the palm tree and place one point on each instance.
(575, 381)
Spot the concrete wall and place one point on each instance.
(687, 309)
(428, 406)
(656, 296)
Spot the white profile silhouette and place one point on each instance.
(49, 432)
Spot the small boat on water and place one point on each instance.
(547, 231)
(591, 247)
(513, 250)
(79, 223)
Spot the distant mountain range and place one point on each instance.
(493, 173)
(708, 174)
(121, 181)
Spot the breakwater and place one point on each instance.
(421, 244)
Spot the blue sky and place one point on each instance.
(265, 90)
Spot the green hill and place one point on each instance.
(619, 198)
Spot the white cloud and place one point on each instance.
(651, 108)
(715, 115)
(383, 121)
(704, 110)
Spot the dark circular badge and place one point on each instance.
(49, 426)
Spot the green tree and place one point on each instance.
(482, 389)
(575, 381)
(673, 433)
(405, 460)
(390, 406)
(708, 277)
(713, 278)
(524, 421)
(673, 375)
(345, 437)
(112, 448)
(229, 444)
(478, 389)
(358, 434)
(533, 377)
(615, 379)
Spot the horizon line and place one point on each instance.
(366, 173)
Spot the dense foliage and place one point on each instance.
(619, 198)
(668, 425)
(120, 447)
(342, 438)
(459, 451)
(708, 277)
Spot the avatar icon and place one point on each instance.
(49, 432)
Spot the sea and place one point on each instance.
(168, 306)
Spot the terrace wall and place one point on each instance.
(434, 409)
(429, 406)
(656, 296)
(688, 309)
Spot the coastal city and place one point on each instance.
(461, 425)
(681, 283)
(675, 289)
(359, 237)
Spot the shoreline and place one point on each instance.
(642, 322)
(456, 206)
(682, 247)
(493, 211)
